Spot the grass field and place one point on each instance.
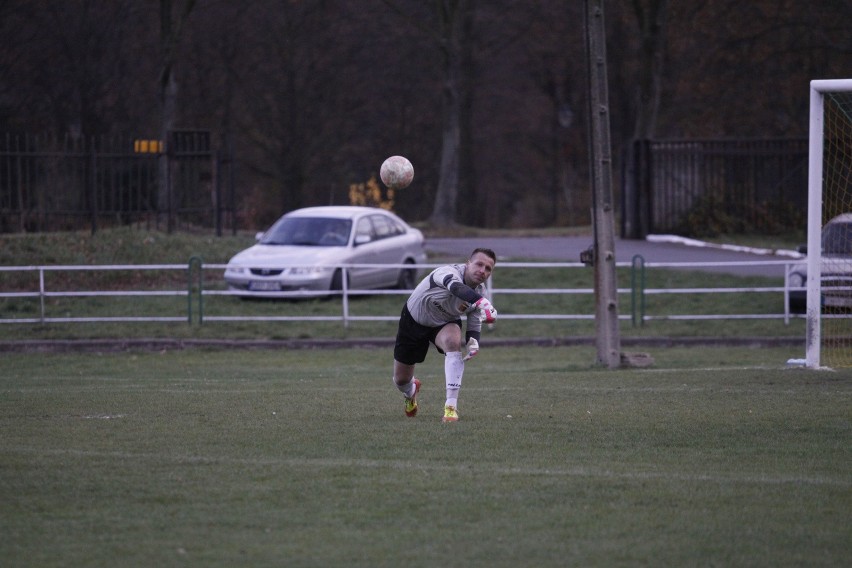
(712, 457)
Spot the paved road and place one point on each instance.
(656, 249)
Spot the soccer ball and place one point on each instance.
(396, 172)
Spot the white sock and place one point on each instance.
(407, 389)
(453, 371)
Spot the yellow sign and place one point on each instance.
(147, 146)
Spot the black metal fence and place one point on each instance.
(688, 187)
(702, 187)
(50, 183)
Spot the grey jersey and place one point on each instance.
(432, 304)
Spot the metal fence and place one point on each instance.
(739, 185)
(193, 289)
(73, 183)
(52, 183)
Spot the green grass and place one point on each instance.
(713, 457)
(125, 245)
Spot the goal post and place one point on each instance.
(829, 195)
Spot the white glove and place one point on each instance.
(472, 349)
(487, 312)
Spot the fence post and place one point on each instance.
(344, 286)
(638, 266)
(41, 290)
(195, 261)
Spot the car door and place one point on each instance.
(364, 251)
(387, 250)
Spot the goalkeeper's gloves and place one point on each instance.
(487, 312)
(472, 349)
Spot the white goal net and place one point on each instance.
(829, 281)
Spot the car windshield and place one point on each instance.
(837, 239)
(308, 231)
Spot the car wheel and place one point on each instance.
(797, 306)
(337, 281)
(407, 278)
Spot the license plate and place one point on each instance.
(263, 286)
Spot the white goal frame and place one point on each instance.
(815, 177)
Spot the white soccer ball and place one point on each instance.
(397, 172)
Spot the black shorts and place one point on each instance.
(413, 339)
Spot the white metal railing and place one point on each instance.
(43, 294)
(195, 291)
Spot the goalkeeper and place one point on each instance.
(433, 314)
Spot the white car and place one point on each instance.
(307, 248)
(836, 268)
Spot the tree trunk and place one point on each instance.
(651, 18)
(169, 35)
(165, 197)
(452, 19)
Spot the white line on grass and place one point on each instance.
(567, 386)
(720, 369)
(485, 469)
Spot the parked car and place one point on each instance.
(836, 268)
(304, 249)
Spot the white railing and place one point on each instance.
(196, 291)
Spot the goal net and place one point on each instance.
(829, 265)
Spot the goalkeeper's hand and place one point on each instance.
(472, 349)
(487, 312)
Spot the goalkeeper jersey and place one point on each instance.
(432, 304)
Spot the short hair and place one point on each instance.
(486, 251)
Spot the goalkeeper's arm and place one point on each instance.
(462, 291)
(473, 301)
(472, 298)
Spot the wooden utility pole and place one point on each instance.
(607, 340)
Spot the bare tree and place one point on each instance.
(66, 66)
(650, 20)
(451, 15)
(553, 46)
(170, 33)
(315, 94)
(304, 97)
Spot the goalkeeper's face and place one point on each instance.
(479, 268)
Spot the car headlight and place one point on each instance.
(235, 269)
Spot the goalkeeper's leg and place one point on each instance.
(453, 373)
(449, 341)
(403, 378)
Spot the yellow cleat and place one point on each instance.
(450, 414)
(411, 403)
